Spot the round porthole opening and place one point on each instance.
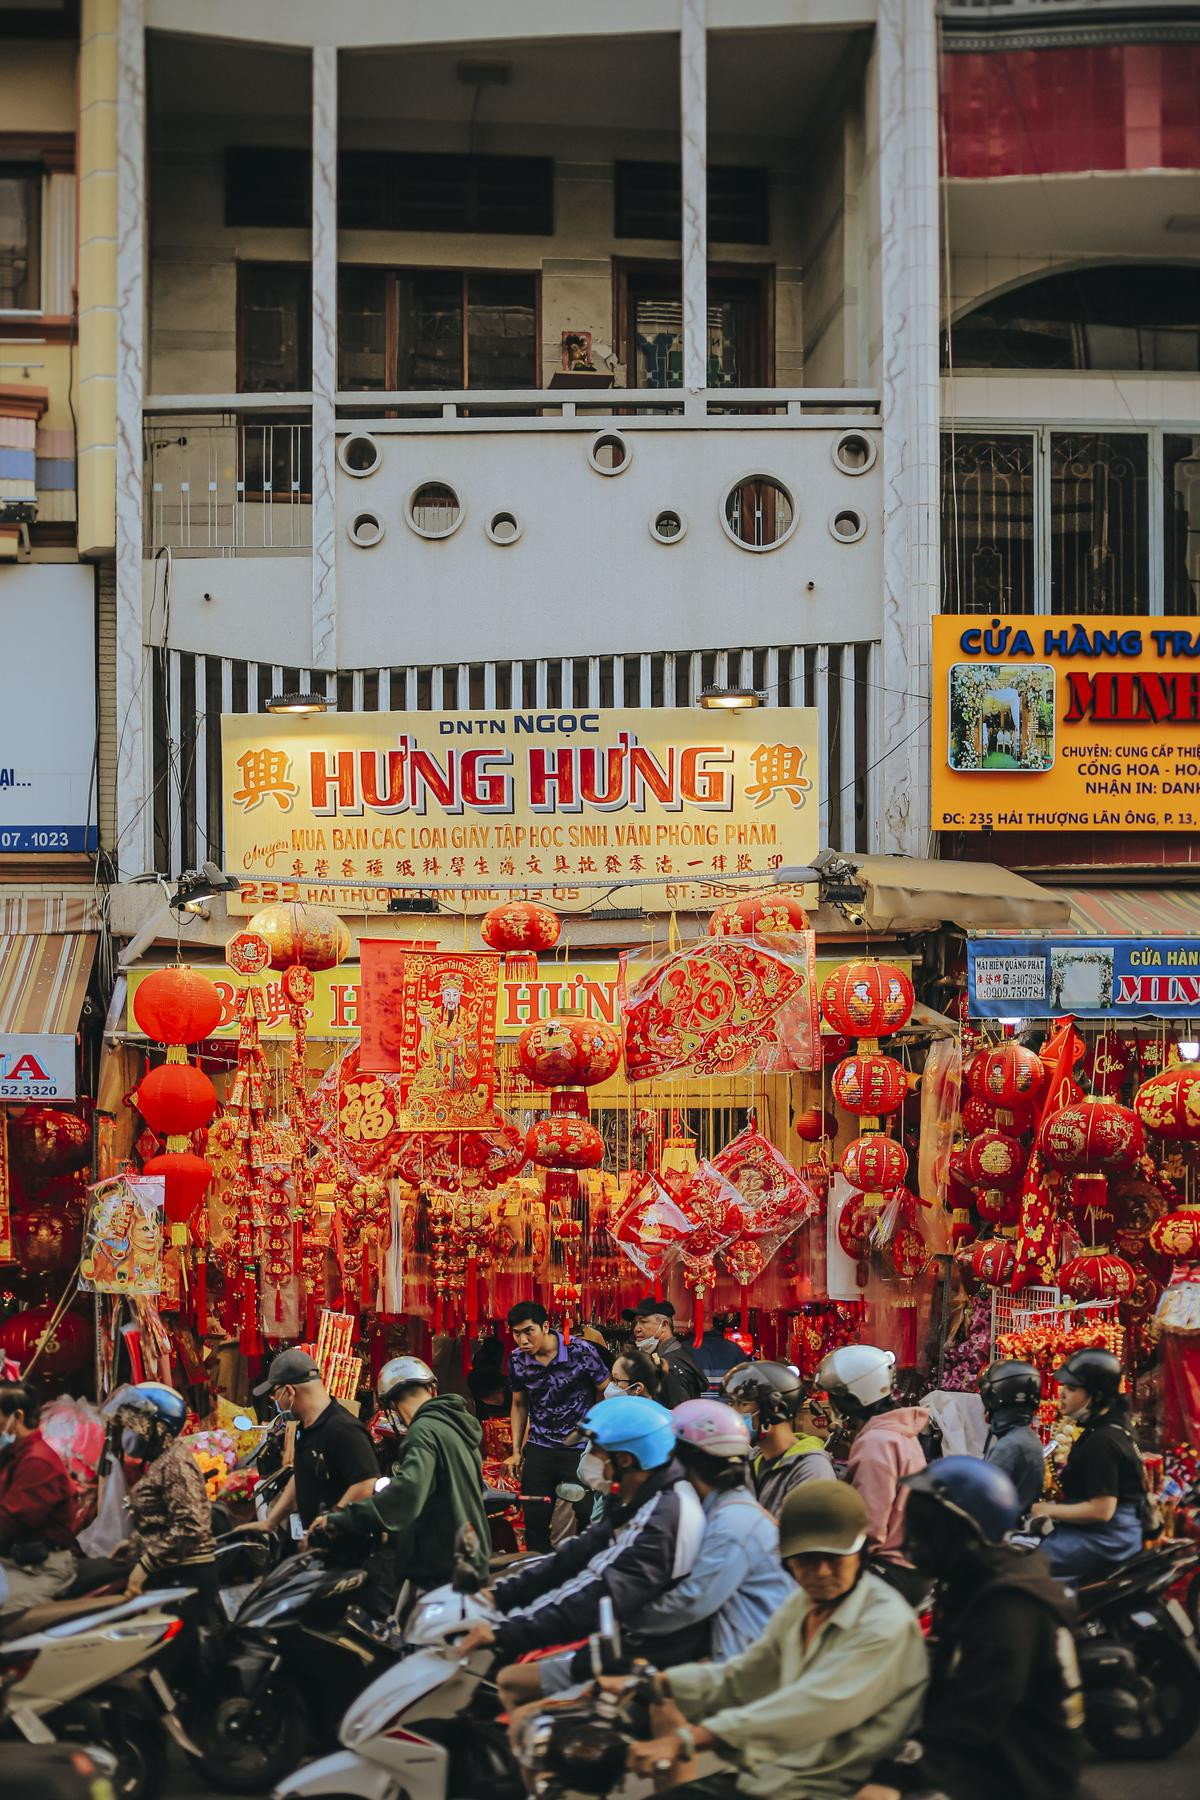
(503, 528)
(854, 452)
(759, 513)
(610, 453)
(359, 454)
(366, 529)
(434, 509)
(668, 526)
(846, 525)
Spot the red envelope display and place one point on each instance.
(773, 1198)
(722, 1006)
(650, 1228)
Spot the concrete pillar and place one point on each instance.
(324, 353)
(134, 820)
(693, 129)
(97, 277)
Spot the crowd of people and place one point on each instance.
(774, 1587)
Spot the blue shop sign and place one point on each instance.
(1091, 978)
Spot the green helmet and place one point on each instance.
(826, 1516)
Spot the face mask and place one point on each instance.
(132, 1443)
(283, 1409)
(7, 1438)
(613, 1390)
(592, 1472)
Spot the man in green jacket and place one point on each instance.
(436, 1484)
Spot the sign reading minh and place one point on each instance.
(333, 809)
(1053, 724)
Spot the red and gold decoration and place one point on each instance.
(562, 1140)
(520, 926)
(875, 1163)
(762, 915)
(177, 1005)
(722, 1006)
(1091, 1140)
(569, 1050)
(1097, 1274)
(1169, 1103)
(296, 934)
(870, 1086)
(1008, 1075)
(867, 999)
(44, 1141)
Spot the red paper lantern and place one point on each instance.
(814, 1124)
(1008, 1075)
(992, 1160)
(520, 925)
(856, 1222)
(177, 1006)
(1169, 1103)
(1177, 1234)
(996, 1207)
(187, 1178)
(66, 1349)
(992, 1262)
(869, 1086)
(295, 932)
(176, 1099)
(764, 914)
(1094, 1135)
(565, 1051)
(875, 1163)
(981, 1115)
(46, 1239)
(867, 999)
(564, 1141)
(45, 1142)
(1097, 1275)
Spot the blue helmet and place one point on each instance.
(975, 1492)
(148, 1403)
(640, 1427)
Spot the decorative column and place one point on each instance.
(133, 815)
(97, 156)
(907, 125)
(324, 353)
(693, 131)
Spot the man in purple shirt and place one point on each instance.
(554, 1384)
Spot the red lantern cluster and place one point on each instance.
(178, 1007)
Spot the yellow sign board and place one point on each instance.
(659, 808)
(1043, 723)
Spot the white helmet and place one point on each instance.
(857, 1376)
(403, 1372)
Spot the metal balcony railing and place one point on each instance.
(227, 483)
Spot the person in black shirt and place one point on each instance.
(334, 1462)
(654, 1332)
(1004, 1708)
(1098, 1521)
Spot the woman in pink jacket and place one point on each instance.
(886, 1449)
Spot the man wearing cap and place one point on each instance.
(654, 1332)
(334, 1461)
(834, 1683)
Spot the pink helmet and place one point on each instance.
(713, 1427)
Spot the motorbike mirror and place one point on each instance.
(604, 1645)
(570, 1491)
(243, 1422)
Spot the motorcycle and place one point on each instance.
(75, 1679)
(1138, 1658)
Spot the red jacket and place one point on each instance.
(36, 1498)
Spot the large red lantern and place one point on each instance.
(856, 1222)
(45, 1142)
(46, 1238)
(1094, 1135)
(867, 999)
(520, 925)
(981, 1115)
(565, 1051)
(1097, 1275)
(296, 932)
(992, 1160)
(875, 1163)
(870, 1086)
(1177, 1234)
(176, 1099)
(65, 1349)
(564, 1141)
(766, 915)
(177, 1006)
(187, 1177)
(1008, 1075)
(993, 1262)
(1169, 1103)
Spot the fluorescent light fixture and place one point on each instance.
(297, 703)
(730, 699)
(1189, 1052)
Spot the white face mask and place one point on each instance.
(592, 1472)
(7, 1438)
(613, 1390)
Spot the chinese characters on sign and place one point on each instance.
(478, 804)
(1090, 978)
(1051, 724)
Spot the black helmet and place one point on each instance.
(1098, 1372)
(1010, 1384)
(775, 1388)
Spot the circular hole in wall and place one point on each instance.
(365, 529)
(610, 453)
(759, 513)
(854, 452)
(847, 526)
(434, 509)
(503, 528)
(668, 526)
(359, 454)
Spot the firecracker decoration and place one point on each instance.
(1169, 1103)
(247, 954)
(761, 915)
(721, 1006)
(871, 1086)
(867, 999)
(470, 1244)
(1096, 1274)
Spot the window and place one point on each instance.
(268, 187)
(274, 333)
(1111, 317)
(987, 523)
(436, 328)
(394, 190)
(20, 239)
(651, 307)
(648, 203)
(1099, 547)
(1181, 524)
